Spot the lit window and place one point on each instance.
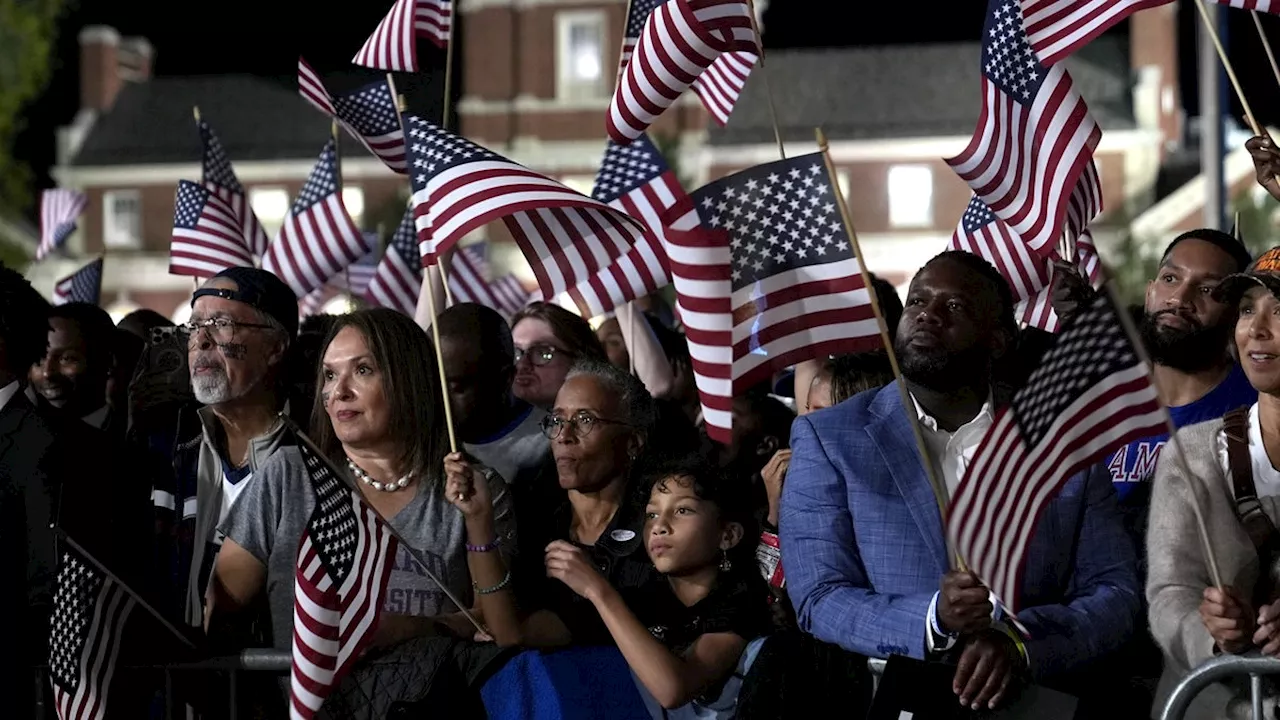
(910, 196)
(582, 183)
(270, 205)
(353, 199)
(580, 38)
(122, 219)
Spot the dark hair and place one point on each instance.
(482, 323)
(97, 329)
(24, 324)
(890, 303)
(573, 332)
(1225, 242)
(141, 321)
(711, 485)
(637, 404)
(857, 372)
(410, 383)
(775, 417)
(999, 286)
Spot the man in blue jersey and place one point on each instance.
(1187, 334)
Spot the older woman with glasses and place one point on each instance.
(598, 429)
(379, 415)
(548, 340)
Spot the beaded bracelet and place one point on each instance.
(497, 540)
(506, 580)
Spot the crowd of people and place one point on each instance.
(584, 506)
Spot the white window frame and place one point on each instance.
(566, 87)
(112, 237)
(906, 210)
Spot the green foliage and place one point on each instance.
(28, 30)
(13, 257)
(1257, 213)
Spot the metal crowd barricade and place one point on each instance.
(1217, 669)
(264, 660)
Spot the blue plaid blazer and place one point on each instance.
(863, 546)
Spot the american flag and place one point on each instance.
(680, 40)
(637, 13)
(393, 46)
(59, 210)
(398, 277)
(459, 186)
(318, 238)
(1268, 6)
(636, 180)
(344, 562)
(1057, 28)
(700, 261)
(722, 83)
(1035, 134)
(90, 610)
(981, 233)
(218, 175)
(469, 281)
(207, 235)
(369, 114)
(84, 285)
(798, 289)
(354, 280)
(1089, 396)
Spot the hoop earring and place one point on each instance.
(725, 564)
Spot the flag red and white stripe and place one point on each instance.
(207, 236)
(680, 40)
(636, 180)
(722, 83)
(1090, 395)
(318, 238)
(398, 277)
(344, 562)
(368, 114)
(469, 275)
(1034, 137)
(459, 186)
(393, 46)
(219, 177)
(59, 210)
(355, 280)
(1057, 28)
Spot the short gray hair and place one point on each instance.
(637, 404)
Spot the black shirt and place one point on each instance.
(738, 604)
(618, 554)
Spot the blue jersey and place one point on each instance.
(1136, 462)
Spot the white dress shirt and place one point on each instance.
(98, 417)
(7, 393)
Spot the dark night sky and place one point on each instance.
(266, 37)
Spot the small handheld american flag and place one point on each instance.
(393, 46)
(219, 177)
(318, 238)
(1035, 135)
(368, 113)
(354, 280)
(798, 289)
(459, 186)
(59, 210)
(207, 235)
(1090, 395)
(635, 179)
(398, 277)
(469, 279)
(344, 563)
(90, 610)
(84, 285)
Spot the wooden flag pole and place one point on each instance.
(1136, 341)
(940, 493)
(1266, 45)
(448, 76)
(400, 108)
(1226, 64)
(768, 92)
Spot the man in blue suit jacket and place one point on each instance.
(862, 537)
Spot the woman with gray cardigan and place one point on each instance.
(1232, 475)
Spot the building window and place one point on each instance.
(353, 199)
(270, 205)
(580, 39)
(122, 219)
(910, 196)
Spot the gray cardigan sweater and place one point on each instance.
(1178, 571)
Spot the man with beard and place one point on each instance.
(1188, 333)
(243, 321)
(863, 540)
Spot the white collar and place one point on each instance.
(98, 417)
(8, 392)
(930, 423)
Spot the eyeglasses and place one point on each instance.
(583, 423)
(540, 355)
(221, 329)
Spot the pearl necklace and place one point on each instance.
(381, 486)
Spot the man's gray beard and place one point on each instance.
(212, 387)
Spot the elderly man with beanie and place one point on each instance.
(243, 323)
